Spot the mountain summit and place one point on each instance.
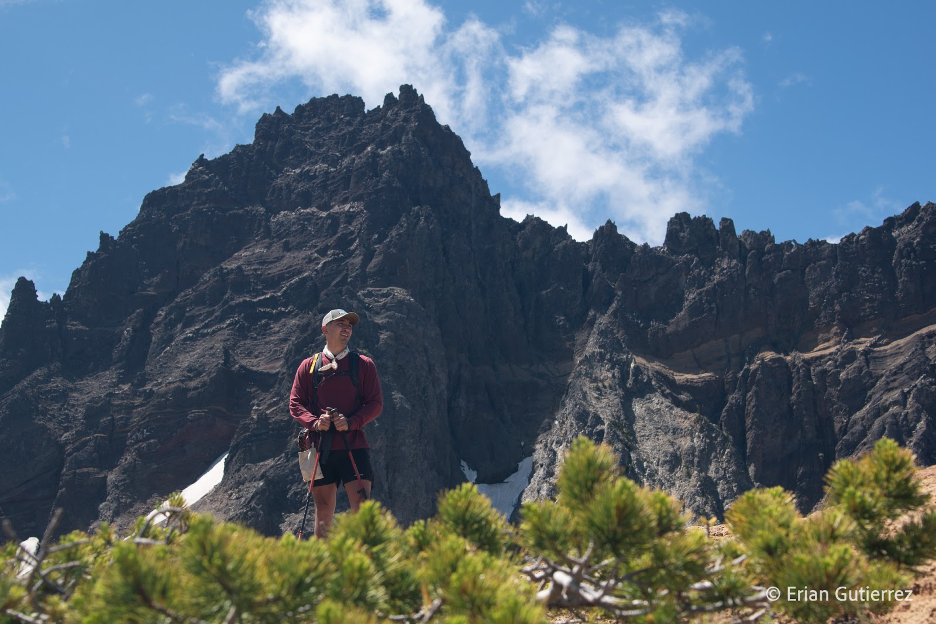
(713, 364)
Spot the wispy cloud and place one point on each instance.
(143, 100)
(795, 79)
(176, 178)
(594, 126)
(536, 8)
(767, 38)
(856, 214)
(66, 141)
(6, 192)
(875, 207)
(179, 113)
(221, 133)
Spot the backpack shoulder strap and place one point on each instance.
(353, 364)
(313, 371)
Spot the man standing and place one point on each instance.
(348, 383)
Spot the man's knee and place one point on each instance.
(324, 514)
(325, 498)
(355, 496)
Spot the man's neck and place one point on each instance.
(335, 349)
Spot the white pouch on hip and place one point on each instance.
(306, 462)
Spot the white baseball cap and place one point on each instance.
(334, 315)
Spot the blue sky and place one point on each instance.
(812, 119)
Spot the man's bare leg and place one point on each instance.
(325, 497)
(354, 496)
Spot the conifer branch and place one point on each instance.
(640, 558)
(424, 615)
(69, 545)
(231, 616)
(172, 615)
(43, 574)
(22, 617)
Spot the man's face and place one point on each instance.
(338, 332)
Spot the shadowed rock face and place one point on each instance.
(713, 364)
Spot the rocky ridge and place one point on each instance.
(715, 363)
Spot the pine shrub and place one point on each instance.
(605, 545)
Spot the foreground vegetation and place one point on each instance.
(604, 546)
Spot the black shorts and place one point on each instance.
(338, 467)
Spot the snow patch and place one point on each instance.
(212, 477)
(195, 492)
(470, 474)
(30, 548)
(504, 496)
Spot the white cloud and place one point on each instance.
(560, 216)
(176, 178)
(143, 100)
(66, 141)
(767, 38)
(610, 126)
(595, 127)
(337, 46)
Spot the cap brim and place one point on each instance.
(353, 318)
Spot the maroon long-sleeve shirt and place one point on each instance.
(338, 391)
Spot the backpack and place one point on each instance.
(304, 438)
(353, 372)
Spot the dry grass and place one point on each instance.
(923, 608)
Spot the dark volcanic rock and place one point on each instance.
(713, 364)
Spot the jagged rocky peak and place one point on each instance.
(105, 242)
(728, 238)
(29, 335)
(178, 340)
(691, 235)
(322, 114)
(25, 312)
(757, 240)
(319, 112)
(608, 230)
(24, 297)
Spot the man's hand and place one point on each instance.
(341, 423)
(339, 420)
(323, 423)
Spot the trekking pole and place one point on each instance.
(332, 412)
(306, 512)
(318, 453)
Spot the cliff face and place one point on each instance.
(713, 364)
(722, 363)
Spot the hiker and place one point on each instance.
(332, 385)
